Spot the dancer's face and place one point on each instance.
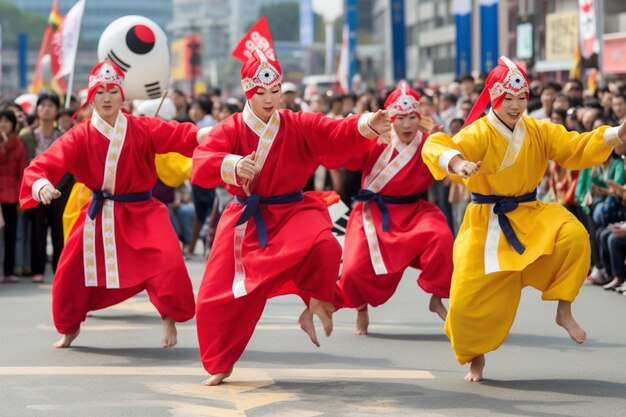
(512, 108)
(108, 103)
(265, 101)
(406, 127)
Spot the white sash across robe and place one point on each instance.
(382, 172)
(515, 140)
(267, 133)
(116, 136)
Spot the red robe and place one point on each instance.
(418, 236)
(301, 256)
(148, 252)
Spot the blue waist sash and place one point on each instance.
(503, 205)
(365, 196)
(98, 197)
(252, 209)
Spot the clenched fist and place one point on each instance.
(48, 193)
(463, 168)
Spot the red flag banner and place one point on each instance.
(258, 36)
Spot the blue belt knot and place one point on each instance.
(365, 196)
(252, 210)
(503, 205)
(98, 197)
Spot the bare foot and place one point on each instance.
(169, 333)
(66, 340)
(436, 306)
(362, 322)
(475, 373)
(565, 319)
(324, 310)
(306, 324)
(217, 379)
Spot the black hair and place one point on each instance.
(466, 77)
(10, 116)
(550, 85)
(204, 104)
(49, 96)
(65, 112)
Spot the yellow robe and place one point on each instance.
(488, 273)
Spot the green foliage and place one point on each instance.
(279, 13)
(284, 21)
(15, 20)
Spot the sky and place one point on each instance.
(330, 9)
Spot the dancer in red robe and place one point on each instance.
(122, 242)
(272, 239)
(391, 227)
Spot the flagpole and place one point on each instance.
(68, 94)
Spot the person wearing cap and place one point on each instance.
(272, 239)
(122, 242)
(290, 96)
(391, 226)
(509, 239)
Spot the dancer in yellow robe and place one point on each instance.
(509, 239)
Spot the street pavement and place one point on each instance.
(404, 367)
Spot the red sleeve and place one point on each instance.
(52, 164)
(208, 157)
(172, 136)
(335, 143)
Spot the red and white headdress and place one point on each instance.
(105, 74)
(402, 101)
(259, 72)
(506, 78)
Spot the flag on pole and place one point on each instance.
(38, 82)
(587, 29)
(259, 36)
(65, 42)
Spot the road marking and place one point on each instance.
(239, 374)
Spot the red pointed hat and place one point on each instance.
(403, 101)
(506, 78)
(259, 72)
(105, 74)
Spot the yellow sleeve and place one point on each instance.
(173, 168)
(79, 196)
(574, 150)
(439, 149)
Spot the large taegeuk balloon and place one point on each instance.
(139, 47)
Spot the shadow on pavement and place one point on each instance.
(581, 387)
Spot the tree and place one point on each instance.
(283, 20)
(279, 13)
(15, 20)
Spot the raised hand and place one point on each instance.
(380, 122)
(48, 193)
